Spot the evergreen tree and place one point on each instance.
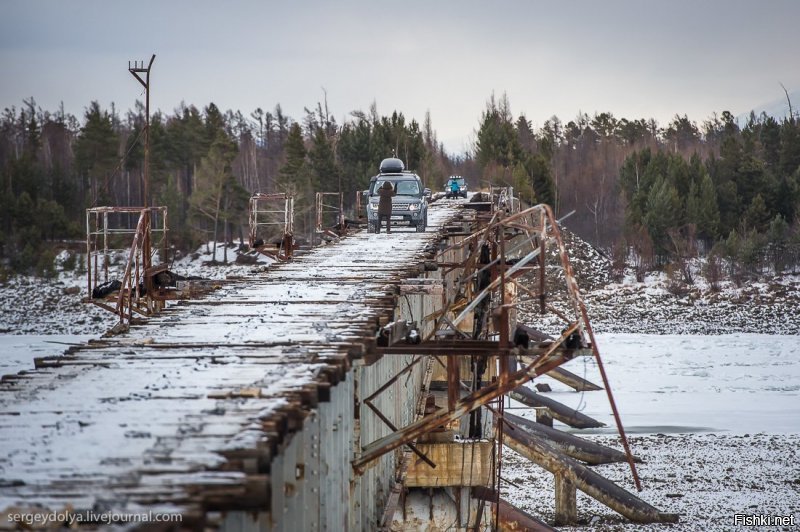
(323, 166)
(523, 188)
(497, 140)
(294, 170)
(541, 179)
(778, 238)
(708, 214)
(757, 216)
(790, 147)
(663, 212)
(96, 153)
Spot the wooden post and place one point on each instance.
(566, 505)
(453, 382)
(583, 478)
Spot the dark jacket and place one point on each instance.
(385, 204)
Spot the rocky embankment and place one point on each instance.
(768, 305)
(54, 306)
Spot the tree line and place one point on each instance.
(659, 196)
(652, 196)
(204, 165)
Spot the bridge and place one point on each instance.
(335, 391)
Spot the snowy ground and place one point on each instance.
(36, 306)
(710, 406)
(768, 306)
(705, 478)
(716, 420)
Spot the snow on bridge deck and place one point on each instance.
(156, 417)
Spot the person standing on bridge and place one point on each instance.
(386, 192)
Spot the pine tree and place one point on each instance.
(523, 187)
(96, 153)
(708, 213)
(294, 170)
(323, 164)
(663, 212)
(778, 238)
(757, 216)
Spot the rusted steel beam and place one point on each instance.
(586, 480)
(391, 381)
(580, 310)
(542, 364)
(568, 416)
(571, 445)
(477, 347)
(410, 349)
(392, 427)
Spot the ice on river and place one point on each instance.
(17, 351)
(738, 383)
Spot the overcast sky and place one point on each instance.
(636, 59)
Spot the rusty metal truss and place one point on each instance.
(502, 199)
(112, 233)
(483, 291)
(330, 220)
(271, 219)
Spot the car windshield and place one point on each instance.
(404, 188)
(459, 181)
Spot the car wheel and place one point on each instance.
(421, 226)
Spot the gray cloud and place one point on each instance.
(633, 58)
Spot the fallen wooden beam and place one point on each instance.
(511, 517)
(571, 445)
(591, 483)
(568, 416)
(579, 384)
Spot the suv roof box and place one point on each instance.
(391, 166)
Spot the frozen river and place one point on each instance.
(17, 351)
(739, 383)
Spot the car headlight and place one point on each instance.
(413, 207)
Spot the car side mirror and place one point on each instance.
(426, 193)
(365, 193)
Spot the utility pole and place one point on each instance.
(136, 69)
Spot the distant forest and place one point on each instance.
(651, 196)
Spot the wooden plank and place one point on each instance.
(587, 451)
(568, 416)
(578, 383)
(457, 464)
(590, 482)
